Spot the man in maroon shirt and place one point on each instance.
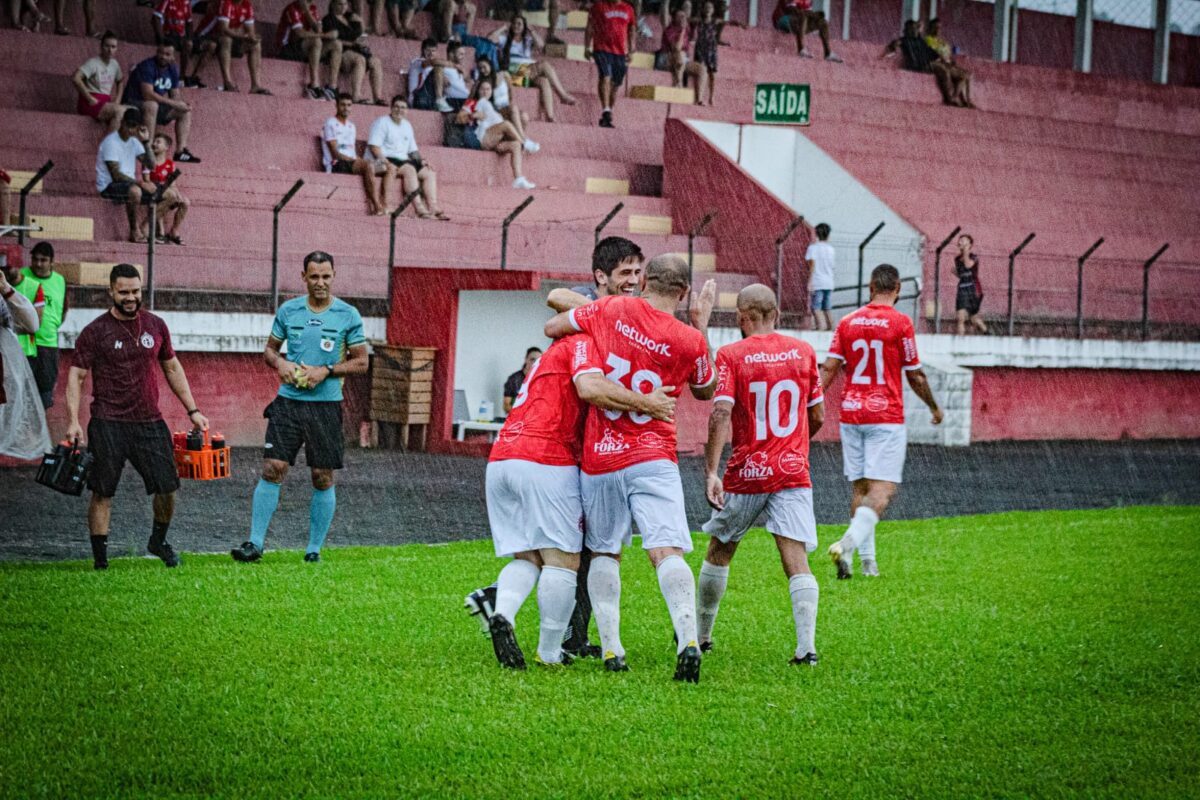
(120, 349)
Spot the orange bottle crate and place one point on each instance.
(208, 464)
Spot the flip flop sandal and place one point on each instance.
(262, 91)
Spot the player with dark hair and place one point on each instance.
(876, 343)
(325, 343)
(768, 387)
(120, 349)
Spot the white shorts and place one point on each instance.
(789, 514)
(875, 452)
(533, 507)
(650, 494)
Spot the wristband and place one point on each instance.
(11, 291)
(193, 411)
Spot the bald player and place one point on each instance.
(768, 387)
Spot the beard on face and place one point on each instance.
(120, 307)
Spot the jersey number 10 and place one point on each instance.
(766, 408)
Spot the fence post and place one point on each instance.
(25, 190)
(504, 230)
(861, 247)
(155, 199)
(604, 222)
(1146, 290)
(1012, 266)
(696, 230)
(937, 279)
(392, 241)
(1079, 288)
(779, 242)
(283, 201)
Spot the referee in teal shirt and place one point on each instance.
(325, 342)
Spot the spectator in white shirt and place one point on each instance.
(392, 146)
(445, 85)
(99, 83)
(502, 95)
(491, 132)
(518, 45)
(821, 259)
(339, 151)
(117, 167)
(420, 68)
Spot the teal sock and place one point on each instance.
(266, 500)
(320, 515)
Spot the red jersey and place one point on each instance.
(772, 381)
(610, 22)
(876, 343)
(234, 14)
(161, 172)
(546, 422)
(174, 15)
(788, 7)
(292, 19)
(642, 349)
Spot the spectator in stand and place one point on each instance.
(118, 167)
(400, 17)
(609, 40)
(419, 69)
(299, 37)
(356, 55)
(797, 18)
(172, 22)
(821, 259)
(518, 44)
(371, 13)
(230, 23)
(89, 18)
(706, 33)
(52, 287)
(444, 85)
(969, 296)
(673, 56)
(173, 207)
(339, 150)
(153, 91)
(514, 382)
(457, 18)
(917, 56)
(392, 144)
(502, 95)
(99, 82)
(959, 78)
(491, 132)
(18, 9)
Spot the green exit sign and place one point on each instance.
(782, 103)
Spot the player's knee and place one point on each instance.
(274, 471)
(322, 479)
(719, 553)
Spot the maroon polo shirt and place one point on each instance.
(123, 357)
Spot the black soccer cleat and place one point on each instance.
(100, 563)
(586, 650)
(687, 665)
(504, 643)
(163, 550)
(614, 662)
(841, 560)
(481, 603)
(806, 660)
(312, 558)
(246, 553)
(706, 647)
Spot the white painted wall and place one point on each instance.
(810, 182)
(494, 331)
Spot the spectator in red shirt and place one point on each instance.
(797, 18)
(609, 40)
(299, 37)
(231, 24)
(173, 207)
(172, 22)
(673, 56)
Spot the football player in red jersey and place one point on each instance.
(630, 469)
(876, 343)
(769, 389)
(534, 505)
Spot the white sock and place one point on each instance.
(804, 592)
(708, 598)
(866, 548)
(861, 528)
(604, 589)
(516, 581)
(678, 587)
(556, 601)
(607, 110)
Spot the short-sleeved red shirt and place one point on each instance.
(161, 172)
(610, 26)
(292, 19)
(123, 357)
(641, 348)
(546, 422)
(234, 14)
(877, 344)
(772, 381)
(175, 15)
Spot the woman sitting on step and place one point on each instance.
(491, 132)
(517, 44)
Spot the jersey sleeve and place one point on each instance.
(375, 135)
(354, 330)
(584, 318)
(908, 346)
(84, 348)
(726, 379)
(584, 357)
(703, 373)
(167, 351)
(328, 133)
(816, 394)
(279, 327)
(836, 348)
(225, 10)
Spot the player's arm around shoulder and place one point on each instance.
(563, 299)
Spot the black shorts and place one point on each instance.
(145, 445)
(45, 373)
(164, 113)
(967, 299)
(315, 424)
(117, 191)
(611, 65)
(341, 167)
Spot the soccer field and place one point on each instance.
(1040, 653)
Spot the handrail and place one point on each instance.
(1012, 266)
(25, 190)
(1079, 288)
(780, 240)
(504, 230)
(862, 246)
(155, 199)
(937, 279)
(404, 204)
(1146, 290)
(283, 201)
(604, 222)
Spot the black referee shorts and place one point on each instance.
(145, 445)
(315, 424)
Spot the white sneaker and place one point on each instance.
(441, 105)
(834, 57)
(524, 183)
(531, 146)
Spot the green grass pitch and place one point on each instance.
(1009, 655)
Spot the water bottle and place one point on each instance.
(195, 440)
(487, 409)
(218, 441)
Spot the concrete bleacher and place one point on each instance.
(1072, 157)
